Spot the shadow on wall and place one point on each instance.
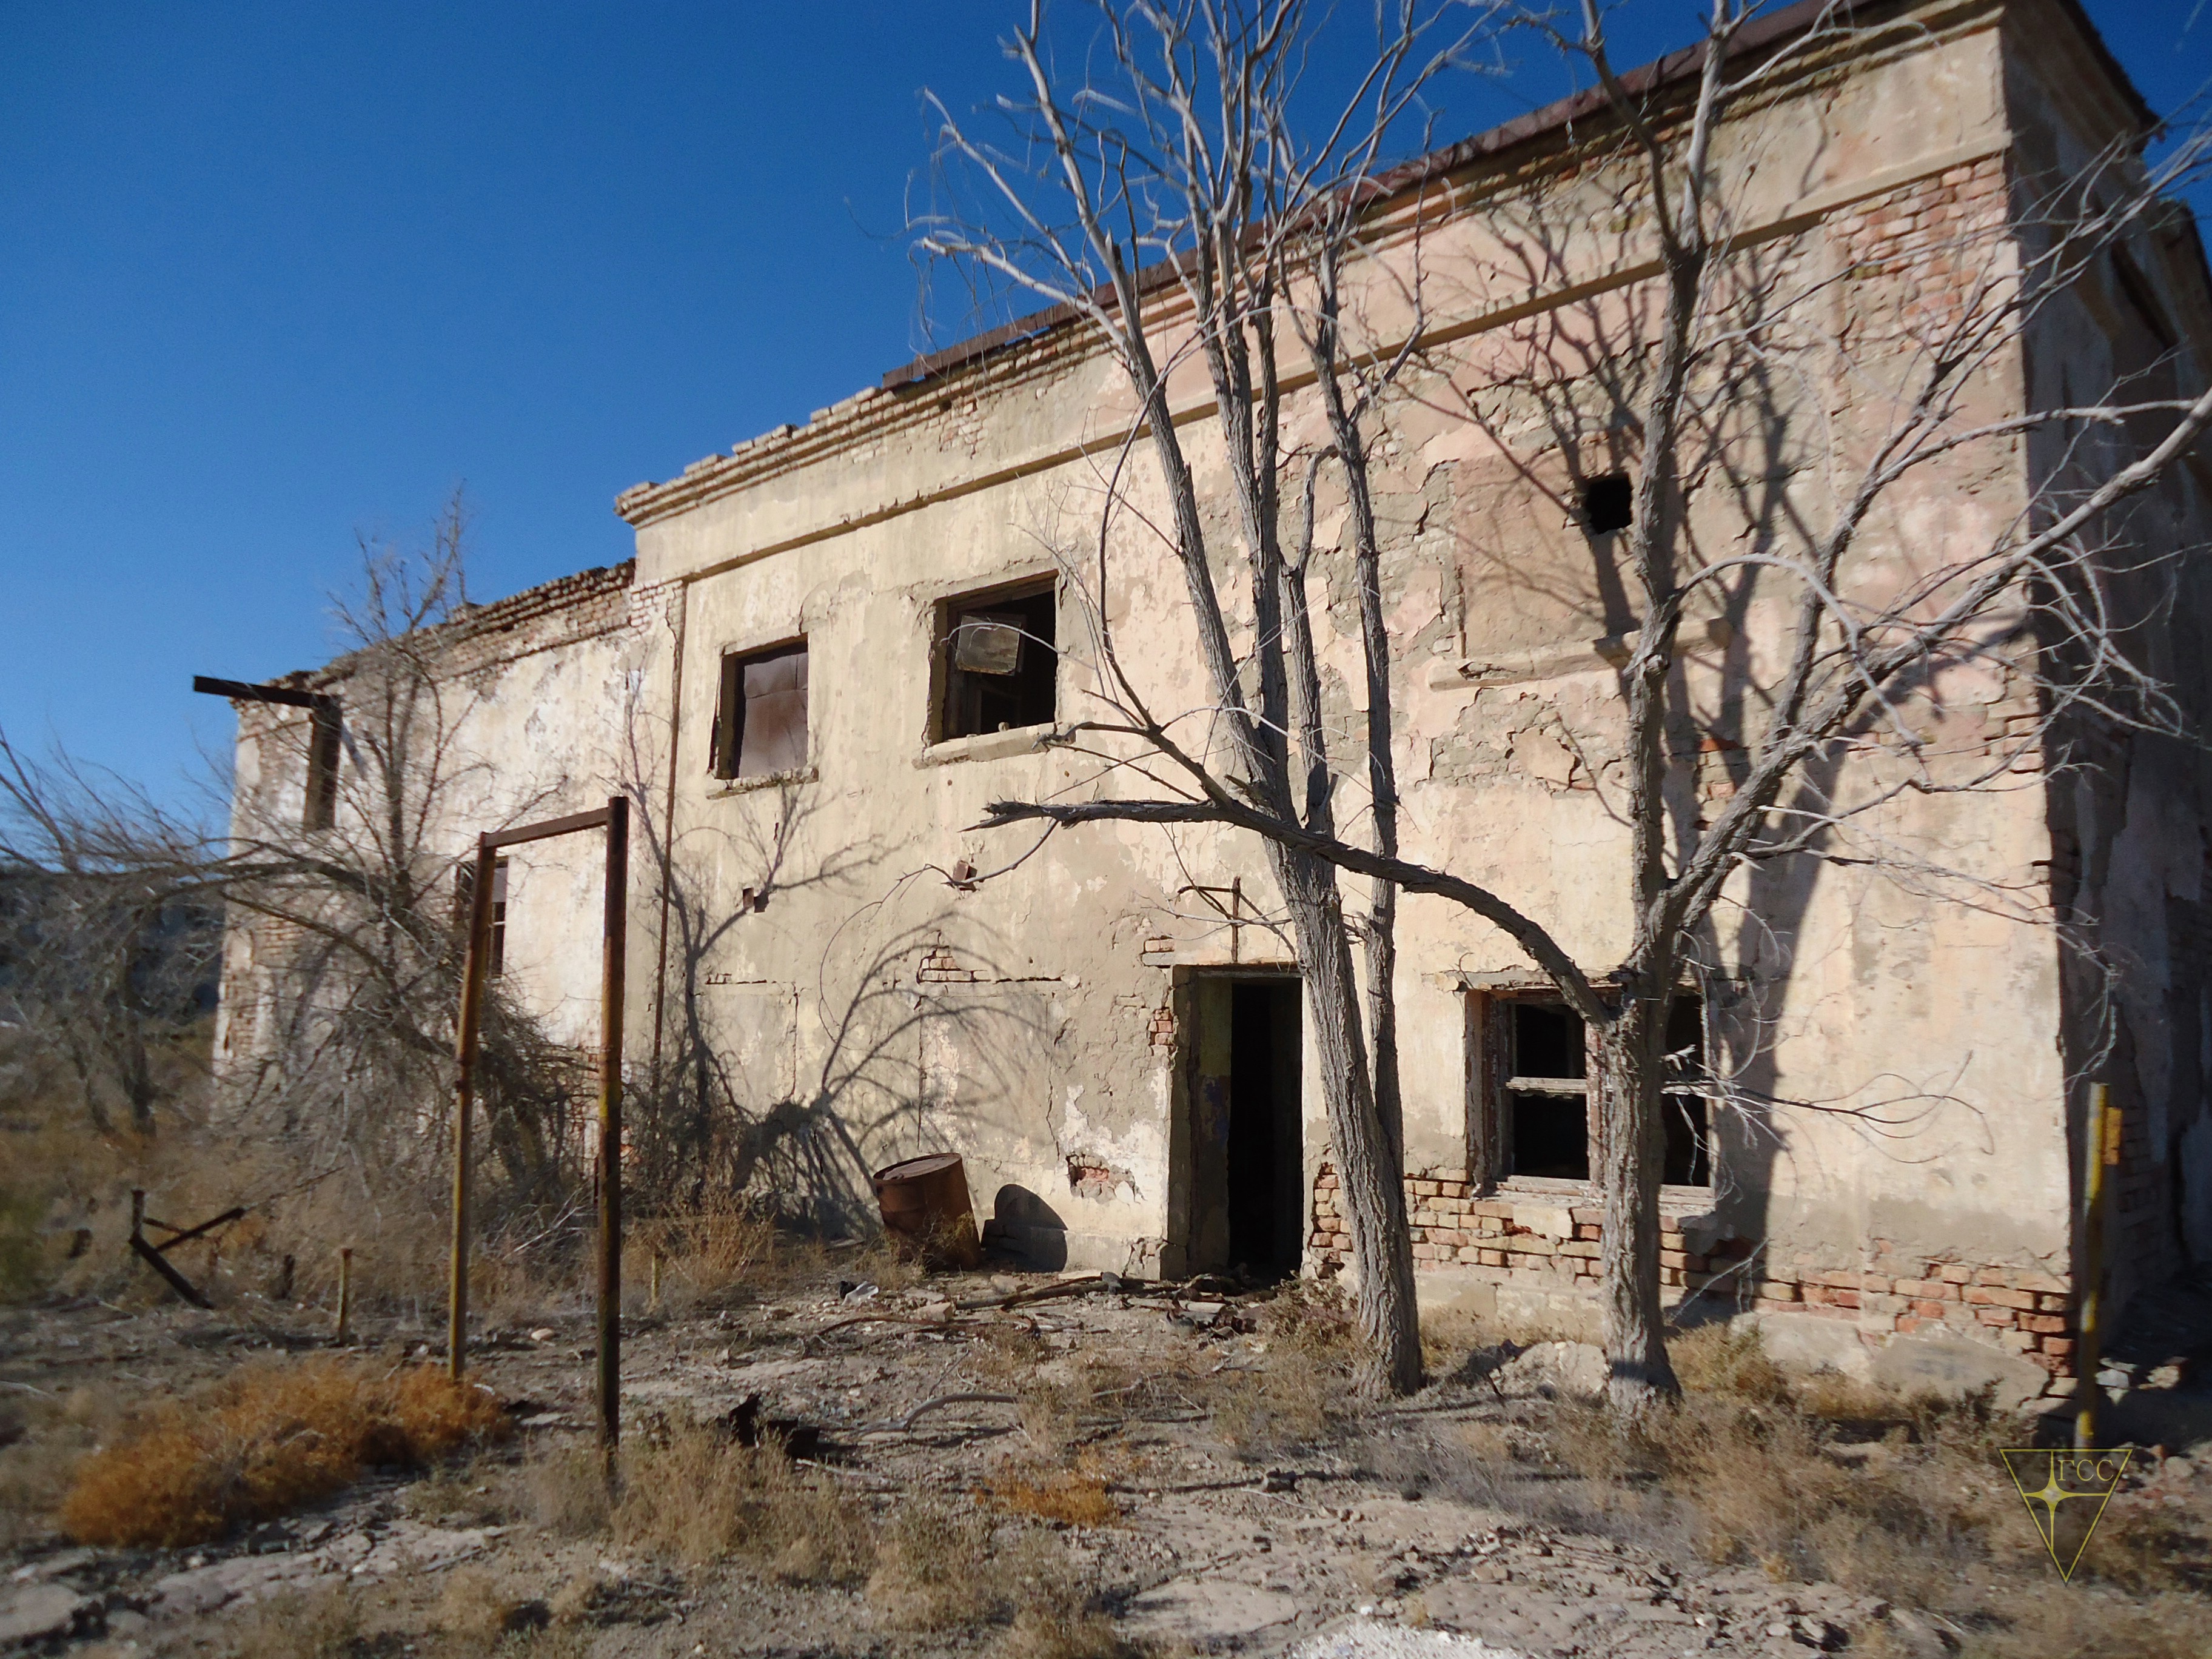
(734, 1111)
(1023, 1224)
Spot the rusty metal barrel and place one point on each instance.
(925, 1206)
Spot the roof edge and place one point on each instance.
(1560, 115)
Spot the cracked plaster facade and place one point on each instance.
(866, 1005)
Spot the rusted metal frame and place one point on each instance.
(612, 972)
(475, 961)
(185, 1234)
(154, 1259)
(614, 818)
(239, 691)
(1233, 913)
(596, 818)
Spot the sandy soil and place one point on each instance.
(1386, 1534)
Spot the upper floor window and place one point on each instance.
(760, 713)
(321, 811)
(998, 660)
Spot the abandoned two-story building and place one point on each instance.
(840, 640)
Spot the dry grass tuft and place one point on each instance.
(2146, 1550)
(1761, 1485)
(1045, 1630)
(564, 1489)
(1715, 1359)
(265, 1442)
(1297, 1380)
(1076, 1497)
(697, 1496)
(1449, 1336)
(1007, 1354)
(474, 1605)
(703, 1257)
(2050, 1620)
(49, 1439)
(314, 1624)
(1902, 1498)
(934, 1570)
(574, 1602)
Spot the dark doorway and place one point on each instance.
(1266, 1153)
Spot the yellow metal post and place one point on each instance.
(2101, 1143)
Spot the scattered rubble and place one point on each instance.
(1364, 1534)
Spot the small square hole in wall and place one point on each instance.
(1608, 503)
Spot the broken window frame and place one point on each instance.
(464, 881)
(726, 752)
(1492, 1085)
(320, 810)
(952, 717)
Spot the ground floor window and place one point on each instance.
(1531, 1107)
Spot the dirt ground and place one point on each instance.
(1116, 1471)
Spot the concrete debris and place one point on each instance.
(1365, 1638)
(1556, 1370)
(44, 1612)
(402, 1547)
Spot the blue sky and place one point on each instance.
(275, 275)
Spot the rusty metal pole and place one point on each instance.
(345, 1296)
(613, 931)
(473, 964)
(2101, 1142)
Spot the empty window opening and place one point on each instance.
(465, 885)
(1608, 503)
(760, 713)
(496, 953)
(1685, 1109)
(1248, 1177)
(322, 804)
(1000, 662)
(1546, 1094)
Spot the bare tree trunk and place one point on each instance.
(1369, 1188)
(1381, 934)
(1630, 1073)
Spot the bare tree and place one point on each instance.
(106, 945)
(342, 860)
(1161, 204)
(340, 871)
(1181, 164)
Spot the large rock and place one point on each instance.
(1804, 1343)
(41, 1612)
(1953, 1367)
(1573, 1371)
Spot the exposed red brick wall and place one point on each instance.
(2022, 1310)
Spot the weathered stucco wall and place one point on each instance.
(867, 976)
